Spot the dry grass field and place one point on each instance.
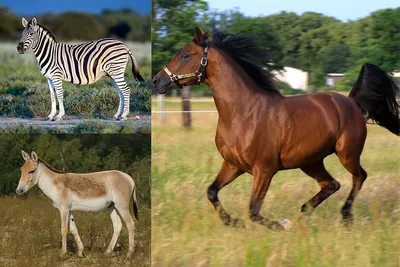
(30, 236)
(186, 231)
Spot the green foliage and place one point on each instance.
(311, 41)
(129, 153)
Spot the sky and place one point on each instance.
(341, 9)
(21, 7)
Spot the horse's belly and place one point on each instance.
(90, 204)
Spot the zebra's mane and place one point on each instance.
(47, 31)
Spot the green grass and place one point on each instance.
(186, 231)
(30, 229)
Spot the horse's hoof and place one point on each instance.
(238, 223)
(286, 224)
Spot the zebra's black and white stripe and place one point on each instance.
(78, 64)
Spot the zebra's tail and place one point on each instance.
(135, 68)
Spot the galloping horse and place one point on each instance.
(262, 132)
(82, 191)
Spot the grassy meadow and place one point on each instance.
(24, 91)
(31, 236)
(186, 231)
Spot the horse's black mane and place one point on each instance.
(249, 55)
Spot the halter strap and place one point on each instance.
(200, 73)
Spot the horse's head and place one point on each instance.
(29, 35)
(187, 67)
(29, 176)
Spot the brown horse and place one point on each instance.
(262, 132)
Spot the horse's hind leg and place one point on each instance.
(349, 148)
(74, 231)
(327, 183)
(359, 176)
(117, 226)
(226, 175)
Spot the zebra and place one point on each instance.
(78, 64)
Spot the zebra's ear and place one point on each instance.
(34, 156)
(34, 23)
(25, 155)
(24, 22)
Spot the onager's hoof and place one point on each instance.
(286, 224)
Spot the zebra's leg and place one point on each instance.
(53, 100)
(121, 98)
(124, 94)
(60, 97)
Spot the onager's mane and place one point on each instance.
(50, 167)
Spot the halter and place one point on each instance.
(200, 73)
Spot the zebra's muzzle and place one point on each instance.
(20, 48)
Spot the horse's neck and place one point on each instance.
(235, 94)
(45, 182)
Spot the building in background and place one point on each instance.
(296, 78)
(333, 79)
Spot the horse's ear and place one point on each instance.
(199, 35)
(208, 36)
(34, 156)
(25, 155)
(24, 22)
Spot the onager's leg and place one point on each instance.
(74, 231)
(123, 210)
(60, 97)
(327, 183)
(117, 225)
(64, 229)
(53, 100)
(262, 180)
(226, 175)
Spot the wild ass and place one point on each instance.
(89, 192)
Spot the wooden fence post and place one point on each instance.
(161, 107)
(187, 117)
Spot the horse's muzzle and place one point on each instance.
(161, 85)
(20, 48)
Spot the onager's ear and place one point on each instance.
(199, 35)
(34, 156)
(25, 155)
(24, 22)
(34, 24)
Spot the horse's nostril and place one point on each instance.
(156, 80)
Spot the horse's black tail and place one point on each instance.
(135, 208)
(375, 93)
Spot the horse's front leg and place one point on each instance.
(227, 174)
(262, 180)
(64, 229)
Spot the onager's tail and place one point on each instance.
(375, 93)
(135, 208)
(135, 67)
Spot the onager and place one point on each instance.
(89, 192)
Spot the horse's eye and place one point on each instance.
(185, 56)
